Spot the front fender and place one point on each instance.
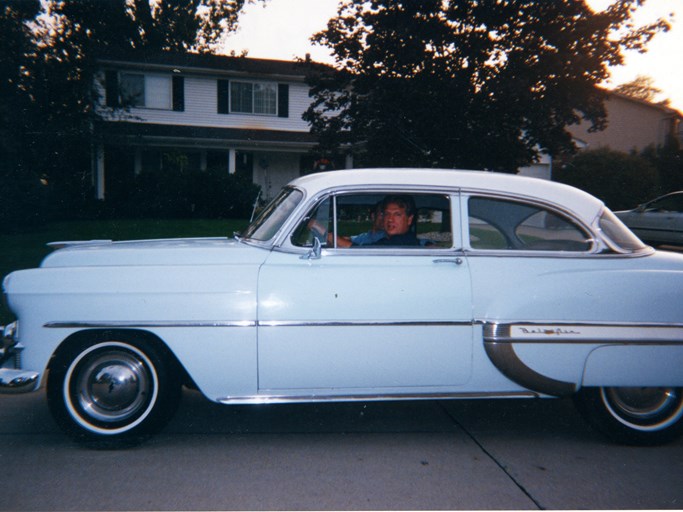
(201, 312)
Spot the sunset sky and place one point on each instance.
(281, 30)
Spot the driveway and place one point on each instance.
(474, 455)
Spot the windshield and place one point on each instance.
(273, 216)
(619, 233)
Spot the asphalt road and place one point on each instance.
(489, 454)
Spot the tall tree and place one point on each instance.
(18, 51)
(475, 83)
(642, 87)
(169, 25)
(21, 185)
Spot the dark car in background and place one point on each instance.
(657, 222)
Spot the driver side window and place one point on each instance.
(378, 219)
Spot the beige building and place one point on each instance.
(632, 124)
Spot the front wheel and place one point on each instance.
(634, 415)
(112, 391)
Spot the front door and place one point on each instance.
(358, 320)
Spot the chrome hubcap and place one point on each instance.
(112, 385)
(644, 407)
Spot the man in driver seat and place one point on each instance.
(399, 214)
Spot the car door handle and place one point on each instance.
(453, 261)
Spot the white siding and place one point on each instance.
(541, 169)
(201, 109)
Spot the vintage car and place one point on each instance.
(659, 221)
(487, 285)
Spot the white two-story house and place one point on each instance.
(204, 111)
(244, 115)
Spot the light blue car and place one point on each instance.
(481, 285)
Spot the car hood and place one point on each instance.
(178, 251)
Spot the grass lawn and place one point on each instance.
(27, 249)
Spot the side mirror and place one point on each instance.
(316, 250)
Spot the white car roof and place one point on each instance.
(569, 198)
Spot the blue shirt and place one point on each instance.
(406, 239)
(368, 238)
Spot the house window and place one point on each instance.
(132, 89)
(253, 98)
(158, 92)
(148, 91)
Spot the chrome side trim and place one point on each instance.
(358, 323)
(525, 332)
(144, 323)
(503, 356)
(288, 399)
(246, 323)
(586, 332)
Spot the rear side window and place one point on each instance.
(496, 224)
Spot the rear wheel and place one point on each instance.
(112, 391)
(634, 415)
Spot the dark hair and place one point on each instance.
(406, 202)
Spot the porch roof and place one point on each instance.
(148, 134)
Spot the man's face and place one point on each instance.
(396, 221)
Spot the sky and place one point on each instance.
(281, 29)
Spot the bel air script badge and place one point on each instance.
(542, 331)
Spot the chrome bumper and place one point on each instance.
(17, 381)
(14, 380)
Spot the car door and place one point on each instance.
(366, 319)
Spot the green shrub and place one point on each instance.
(668, 160)
(211, 194)
(24, 201)
(621, 180)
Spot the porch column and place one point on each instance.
(99, 171)
(232, 161)
(138, 161)
(348, 164)
(202, 160)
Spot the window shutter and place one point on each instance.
(282, 100)
(111, 88)
(223, 96)
(178, 93)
